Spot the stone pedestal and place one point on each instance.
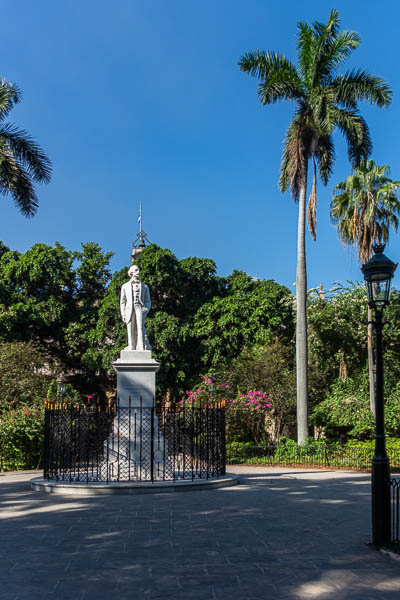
(136, 447)
(136, 377)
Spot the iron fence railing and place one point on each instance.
(133, 443)
(394, 484)
(319, 456)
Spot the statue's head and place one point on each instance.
(133, 271)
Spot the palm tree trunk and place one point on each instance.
(301, 321)
(371, 364)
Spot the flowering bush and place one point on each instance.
(246, 413)
(201, 395)
(21, 437)
(246, 416)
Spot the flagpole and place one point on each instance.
(140, 243)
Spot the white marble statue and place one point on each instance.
(135, 304)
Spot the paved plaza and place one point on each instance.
(282, 533)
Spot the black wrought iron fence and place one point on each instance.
(133, 442)
(345, 457)
(394, 484)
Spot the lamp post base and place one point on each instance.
(380, 501)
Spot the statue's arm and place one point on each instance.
(147, 301)
(122, 303)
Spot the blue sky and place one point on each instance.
(144, 102)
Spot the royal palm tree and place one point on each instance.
(325, 101)
(22, 161)
(364, 208)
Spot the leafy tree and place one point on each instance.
(25, 372)
(338, 339)
(23, 162)
(269, 368)
(36, 295)
(92, 276)
(347, 406)
(252, 312)
(364, 208)
(44, 299)
(325, 101)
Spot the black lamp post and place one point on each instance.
(61, 387)
(378, 273)
(211, 387)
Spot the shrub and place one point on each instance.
(245, 414)
(21, 438)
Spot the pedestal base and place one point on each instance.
(136, 377)
(135, 446)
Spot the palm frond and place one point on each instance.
(26, 151)
(10, 95)
(357, 85)
(335, 53)
(278, 77)
(306, 52)
(355, 129)
(294, 161)
(365, 207)
(325, 157)
(331, 28)
(15, 180)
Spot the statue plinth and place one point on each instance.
(136, 377)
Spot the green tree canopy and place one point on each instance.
(251, 312)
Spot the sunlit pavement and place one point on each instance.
(282, 533)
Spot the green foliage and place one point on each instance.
(21, 437)
(246, 417)
(337, 333)
(24, 375)
(269, 368)
(92, 276)
(392, 444)
(246, 414)
(364, 208)
(252, 312)
(51, 296)
(36, 290)
(347, 406)
(312, 453)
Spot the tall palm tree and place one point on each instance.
(22, 161)
(364, 208)
(325, 101)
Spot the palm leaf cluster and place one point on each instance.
(325, 101)
(22, 161)
(365, 206)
